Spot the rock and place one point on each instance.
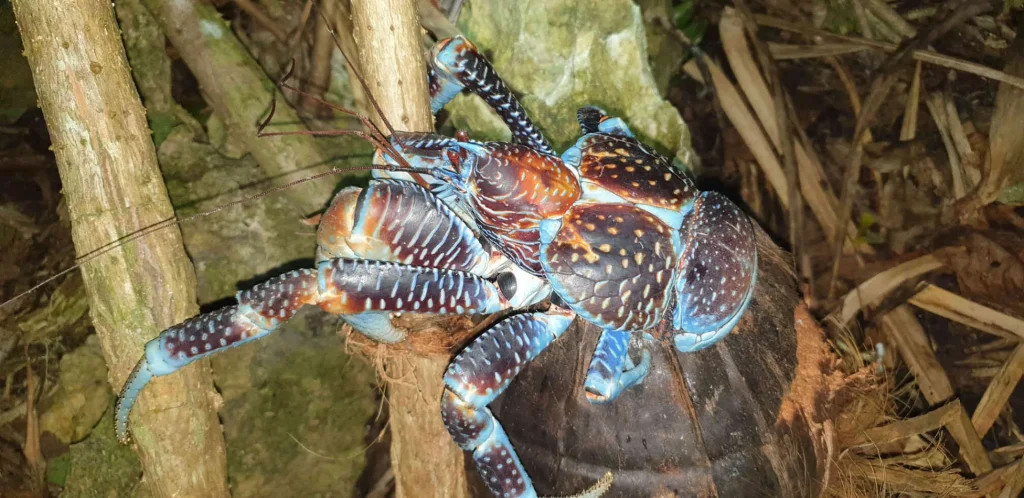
(565, 56)
(83, 394)
(103, 468)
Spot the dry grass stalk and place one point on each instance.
(873, 290)
(950, 416)
(909, 129)
(851, 90)
(821, 201)
(877, 477)
(959, 136)
(789, 51)
(890, 17)
(747, 126)
(926, 56)
(997, 395)
(936, 103)
(911, 458)
(902, 329)
(960, 309)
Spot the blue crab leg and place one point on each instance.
(717, 272)
(340, 286)
(456, 64)
(479, 374)
(612, 370)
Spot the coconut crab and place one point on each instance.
(608, 232)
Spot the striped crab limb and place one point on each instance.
(341, 286)
(612, 370)
(477, 376)
(456, 64)
(717, 272)
(402, 222)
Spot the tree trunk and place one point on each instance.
(424, 459)
(113, 186)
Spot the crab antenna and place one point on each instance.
(376, 137)
(357, 74)
(169, 222)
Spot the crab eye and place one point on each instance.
(506, 284)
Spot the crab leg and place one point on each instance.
(479, 374)
(612, 370)
(341, 286)
(456, 64)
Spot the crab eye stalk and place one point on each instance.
(506, 284)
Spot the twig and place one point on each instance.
(909, 129)
(936, 103)
(821, 201)
(890, 17)
(998, 392)
(923, 55)
(851, 90)
(904, 330)
(262, 19)
(32, 450)
(960, 309)
(873, 290)
(885, 78)
(318, 79)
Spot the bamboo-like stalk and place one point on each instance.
(424, 459)
(109, 171)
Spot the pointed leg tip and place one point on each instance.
(137, 380)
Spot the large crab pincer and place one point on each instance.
(609, 232)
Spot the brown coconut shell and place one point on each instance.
(746, 417)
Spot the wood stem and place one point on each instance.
(113, 186)
(425, 460)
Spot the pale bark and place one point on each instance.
(113, 188)
(425, 460)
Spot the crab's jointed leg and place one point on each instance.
(477, 376)
(456, 64)
(339, 286)
(389, 247)
(612, 370)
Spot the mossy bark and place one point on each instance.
(240, 93)
(424, 459)
(113, 188)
